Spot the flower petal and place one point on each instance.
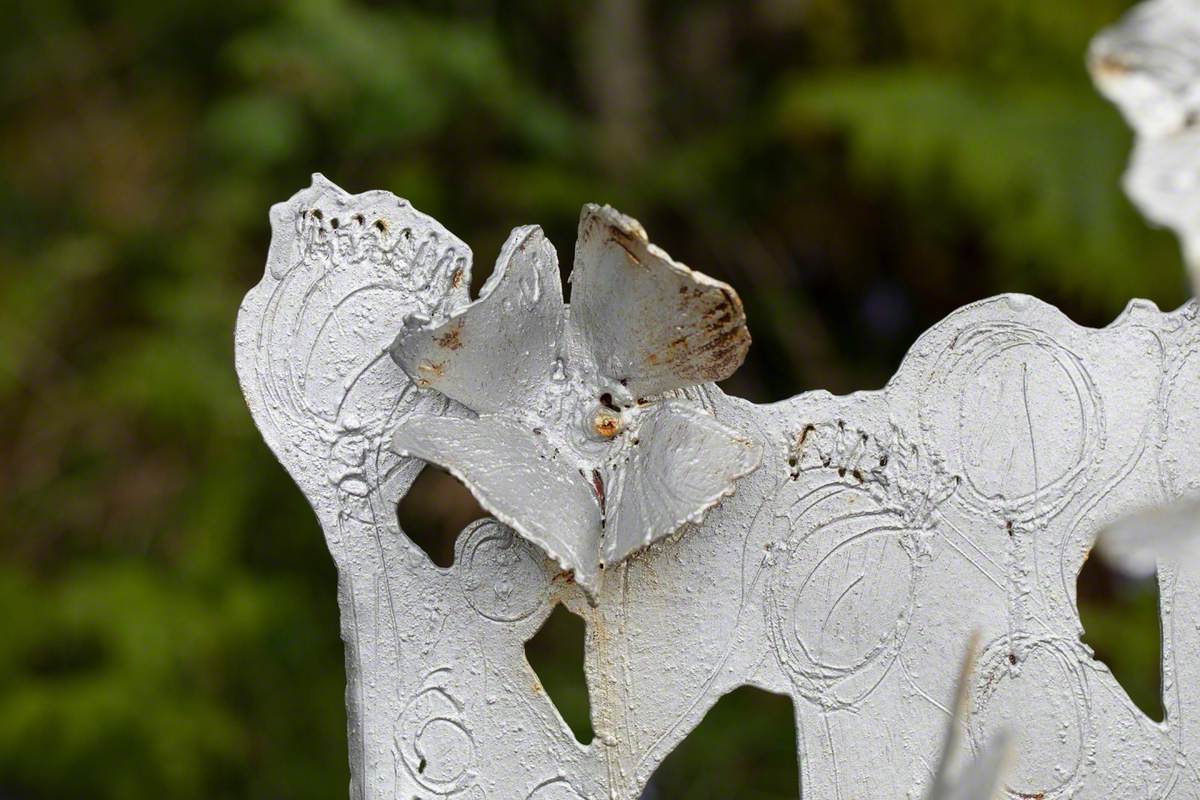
(1136, 543)
(1148, 63)
(1161, 181)
(518, 477)
(982, 777)
(498, 351)
(650, 322)
(683, 464)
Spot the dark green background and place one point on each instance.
(856, 169)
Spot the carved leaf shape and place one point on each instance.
(515, 474)
(500, 349)
(650, 322)
(684, 462)
(342, 273)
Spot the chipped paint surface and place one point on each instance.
(845, 564)
(1149, 65)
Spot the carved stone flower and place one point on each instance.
(579, 438)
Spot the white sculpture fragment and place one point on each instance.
(837, 550)
(1149, 65)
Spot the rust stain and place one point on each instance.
(451, 339)
(435, 369)
(456, 280)
(628, 252)
(606, 425)
(1110, 67)
(809, 428)
(720, 346)
(598, 487)
(626, 242)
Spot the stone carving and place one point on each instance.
(848, 548)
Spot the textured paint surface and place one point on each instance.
(847, 571)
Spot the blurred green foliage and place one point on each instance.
(857, 168)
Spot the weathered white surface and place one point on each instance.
(847, 571)
(1149, 65)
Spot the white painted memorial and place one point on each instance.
(841, 551)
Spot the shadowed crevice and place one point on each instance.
(556, 654)
(745, 747)
(434, 511)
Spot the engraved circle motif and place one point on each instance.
(840, 595)
(502, 575)
(1042, 701)
(446, 748)
(434, 744)
(1028, 425)
(556, 789)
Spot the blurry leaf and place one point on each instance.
(260, 129)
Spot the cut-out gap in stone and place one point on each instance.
(555, 653)
(1121, 624)
(725, 757)
(435, 510)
